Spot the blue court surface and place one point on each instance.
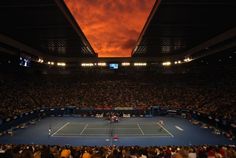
(128, 131)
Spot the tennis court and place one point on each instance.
(130, 131)
(107, 129)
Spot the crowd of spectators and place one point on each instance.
(213, 95)
(55, 151)
(21, 94)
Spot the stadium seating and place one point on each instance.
(55, 151)
(201, 94)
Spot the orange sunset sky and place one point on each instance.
(111, 26)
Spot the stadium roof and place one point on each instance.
(176, 29)
(41, 28)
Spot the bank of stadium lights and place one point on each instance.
(140, 64)
(183, 61)
(87, 64)
(125, 64)
(167, 63)
(62, 64)
(101, 64)
(178, 62)
(40, 60)
(187, 59)
(50, 63)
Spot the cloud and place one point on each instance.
(111, 26)
(129, 44)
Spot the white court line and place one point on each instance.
(116, 128)
(140, 128)
(61, 128)
(165, 130)
(120, 135)
(83, 129)
(181, 129)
